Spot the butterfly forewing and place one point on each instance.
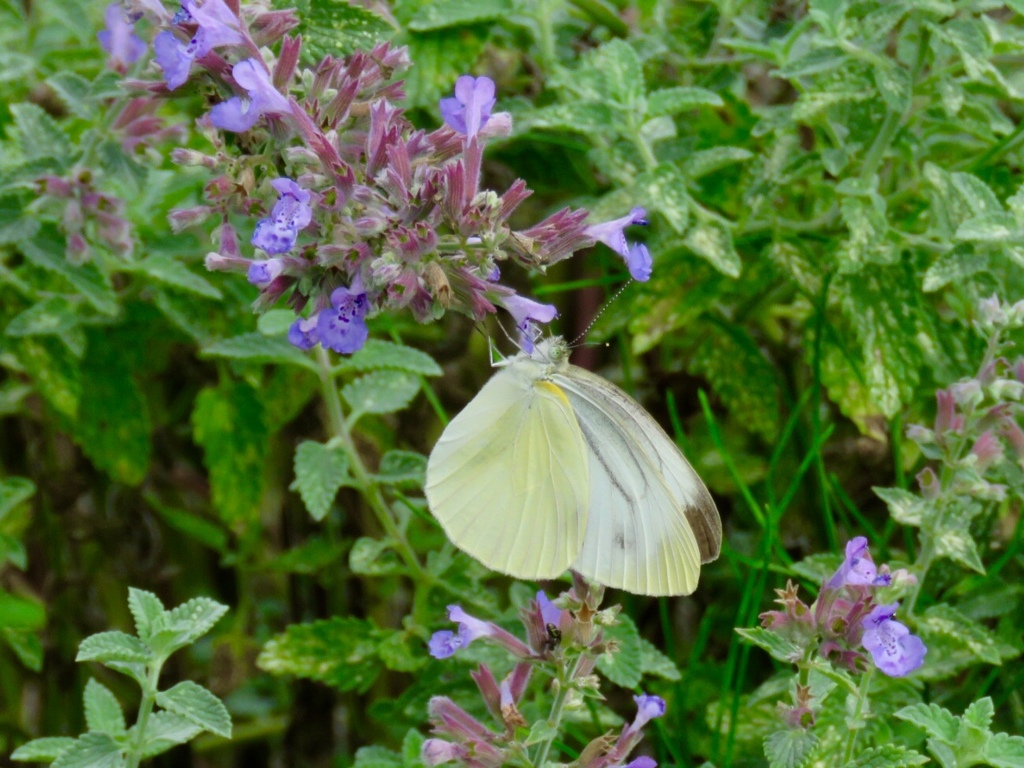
(652, 521)
(508, 479)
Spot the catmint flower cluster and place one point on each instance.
(564, 639)
(847, 620)
(353, 211)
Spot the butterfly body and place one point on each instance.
(551, 467)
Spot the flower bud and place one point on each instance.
(1006, 389)
(929, 483)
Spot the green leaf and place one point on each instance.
(14, 491)
(377, 757)
(73, 90)
(169, 271)
(402, 651)
(712, 240)
(789, 748)
(380, 392)
(542, 730)
(377, 354)
(47, 251)
(103, 713)
(441, 57)
(311, 556)
(625, 666)
(21, 613)
(194, 618)
(91, 750)
(777, 646)
(654, 662)
(888, 756)
(945, 621)
(148, 612)
(402, 469)
(374, 557)
(905, 507)
(197, 705)
(957, 544)
(894, 85)
(618, 73)
(338, 28)
(412, 748)
(54, 371)
(954, 267)
(341, 652)
(113, 646)
(259, 349)
(320, 470)
(1005, 751)
(228, 423)
(988, 228)
(937, 722)
(39, 135)
(672, 101)
(980, 713)
(54, 316)
(26, 647)
(275, 322)
(42, 750)
(165, 730)
(441, 14)
(705, 161)
(113, 426)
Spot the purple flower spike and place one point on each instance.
(238, 116)
(342, 326)
(291, 213)
(174, 59)
(303, 333)
(471, 107)
(263, 272)
(858, 569)
(895, 651)
(119, 38)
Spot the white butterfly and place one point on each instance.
(551, 467)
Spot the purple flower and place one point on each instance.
(262, 272)
(291, 213)
(642, 762)
(551, 613)
(526, 312)
(438, 752)
(648, 707)
(612, 233)
(342, 326)
(895, 651)
(217, 26)
(445, 643)
(119, 38)
(238, 116)
(858, 569)
(174, 59)
(303, 333)
(470, 109)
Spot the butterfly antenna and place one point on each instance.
(600, 312)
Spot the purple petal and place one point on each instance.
(452, 112)
(648, 707)
(642, 762)
(341, 331)
(437, 752)
(303, 333)
(612, 233)
(523, 309)
(469, 111)
(639, 262)
(286, 186)
(217, 22)
(233, 115)
(262, 272)
(173, 59)
(894, 650)
(251, 75)
(273, 239)
(444, 644)
(470, 628)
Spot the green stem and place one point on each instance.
(855, 725)
(149, 692)
(370, 488)
(557, 708)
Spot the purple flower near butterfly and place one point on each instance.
(526, 313)
(342, 326)
(119, 38)
(470, 109)
(858, 569)
(239, 115)
(445, 643)
(303, 333)
(291, 213)
(894, 650)
(216, 26)
(636, 255)
(266, 271)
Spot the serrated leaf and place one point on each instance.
(672, 101)
(980, 713)
(311, 556)
(705, 161)
(169, 271)
(91, 750)
(947, 622)
(712, 240)
(53, 316)
(165, 730)
(976, 195)
(957, 544)
(259, 349)
(147, 610)
(377, 757)
(377, 354)
(936, 721)
(197, 705)
(275, 322)
(654, 662)
(777, 646)
(619, 74)
(441, 57)
(888, 756)
(402, 469)
(73, 90)
(14, 491)
(228, 423)
(412, 748)
(401, 651)
(442, 14)
(625, 666)
(1005, 751)
(196, 617)
(381, 392)
(988, 228)
(42, 750)
(953, 267)
(374, 557)
(341, 652)
(337, 28)
(113, 646)
(320, 470)
(103, 713)
(816, 61)
(894, 85)
(789, 748)
(39, 135)
(541, 730)
(47, 249)
(54, 371)
(905, 507)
